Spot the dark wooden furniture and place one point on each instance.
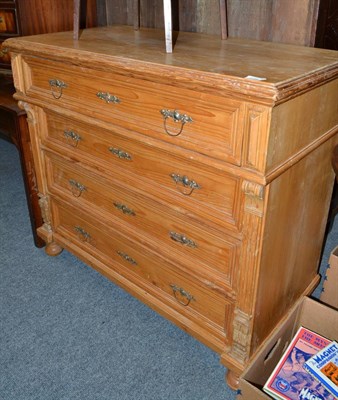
(9, 27)
(167, 6)
(24, 18)
(327, 38)
(284, 21)
(21, 18)
(14, 128)
(327, 27)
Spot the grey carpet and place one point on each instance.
(67, 333)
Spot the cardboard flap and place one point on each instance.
(315, 316)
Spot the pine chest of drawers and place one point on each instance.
(199, 181)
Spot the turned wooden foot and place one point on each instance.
(232, 379)
(53, 249)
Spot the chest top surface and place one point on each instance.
(233, 64)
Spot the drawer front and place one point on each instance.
(170, 231)
(139, 265)
(192, 185)
(8, 22)
(204, 123)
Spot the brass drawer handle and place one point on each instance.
(120, 153)
(76, 187)
(108, 98)
(180, 238)
(1, 20)
(124, 209)
(176, 117)
(57, 86)
(82, 234)
(72, 137)
(126, 257)
(186, 182)
(177, 290)
(3, 51)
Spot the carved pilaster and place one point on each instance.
(17, 73)
(45, 212)
(254, 206)
(254, 194)
(257, 120)
(30, 171)
(36, 124)
(45, 231)
(241, 336)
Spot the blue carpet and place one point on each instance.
(67, 333)
(331, 241)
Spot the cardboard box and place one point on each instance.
(330, 286)
(307, 312)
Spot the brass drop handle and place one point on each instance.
(180, 293)
(120, 153)
(72, 137)
(186, 183)
(126, 210)
(57, 87)
(181, 238)
(126, 257)
(108, 98)
(76, 187)
(82, 234)
(177, 118)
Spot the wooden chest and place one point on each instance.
(199, 181)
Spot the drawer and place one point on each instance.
(8, 22)
(200, 188)
(205, 123)
(141, 266)
(201, 249)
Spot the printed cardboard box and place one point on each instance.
(307, 312)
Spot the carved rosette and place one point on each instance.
(45, 211)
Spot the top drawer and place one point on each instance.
(205, 123)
